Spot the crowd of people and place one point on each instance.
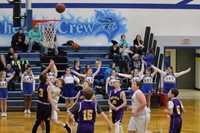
(79, 86)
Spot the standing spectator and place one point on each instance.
(35, 38)
(9, 72)
(138, 45)
(51, 34)
(16, 65)
(114, 52)
(77, 67)
(123, 41)
(98, 80)
(149, 58)
(18, 40)
(2, 63)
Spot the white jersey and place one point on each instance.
(136, 104)
(56, 99)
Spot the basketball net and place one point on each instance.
(48, 29)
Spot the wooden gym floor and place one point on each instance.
(17, 122)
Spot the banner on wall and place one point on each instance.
(105, 23)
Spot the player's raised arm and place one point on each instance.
(157, 69)
(51, 64)
(79, 74)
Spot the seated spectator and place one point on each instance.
(2, 63)
(108, 70)
(55, 45)
(114, 52)
(123, 41)
(149, 58)
(9, 56)
(16, 65)
(136, 62)
(77, 67)
(35, 38)
(124, 51)
(18, 40)
(98, 80)
(138, 45)
(87, 67)
(9, 72)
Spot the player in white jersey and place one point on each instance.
(140, 113)
(68, 92)
(27, 88)
(4, 91)
(56, 90)
(89, 76)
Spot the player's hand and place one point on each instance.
(113, 107)
(134, 113)
(57, 110)
(129, 108)
(117, 108)
(166, 111)
(109, 128)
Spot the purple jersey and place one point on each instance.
(116, 100)
(176, 120)
(42, 93)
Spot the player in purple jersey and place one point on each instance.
(87, 110)
(27, 88)
(80, 94)
(175, 110)
(4, 91)
(89, 76)
(45, 102)
(117, 101)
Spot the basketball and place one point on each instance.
(60, 7)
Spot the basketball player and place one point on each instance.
(27, 88)
(68, 91)
(89, 76)
(140, 114)
(175, 110)
(87, 110)
(56, 90)
(117, 101)
(80, 96)
(45, 102)
(169, 78)
(147, 86)
(4, 91)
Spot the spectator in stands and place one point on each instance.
(9, 56)
(138, 45)
(18, 40)
(55, 45)
(24, 65)
(124, 51)
(149, 58)
(123, 41)
(98, 80)
(77, 67)
(114, 52)
(136, 62)
(2, 63)
(16, 65)
(9, 72)
(108, 70)
(87, 67)
(35, 38)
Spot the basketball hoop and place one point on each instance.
(48, 29)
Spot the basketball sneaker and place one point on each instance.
(68, 128)
(25, 111)
(28, 111)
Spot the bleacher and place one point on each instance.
(86, 55)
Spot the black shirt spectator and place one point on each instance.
(9, 56)
(114, 52)
(18, 40)
(138, 45)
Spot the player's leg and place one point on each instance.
(5, 106)
(35, 127)
(47, 123)
(42, 125)
(148, 97)
(142, 122)
(1, 102)
(132, 125)
(71, 102)
(67, 103)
